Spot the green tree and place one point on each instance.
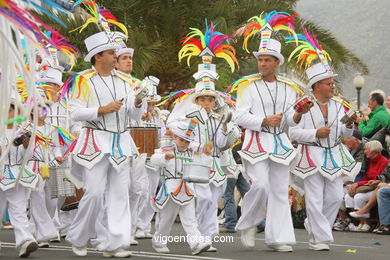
(157, 26)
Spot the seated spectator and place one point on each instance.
(377, 119)
(356, 148)
(388, 103)
(376, 164)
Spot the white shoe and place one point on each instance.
(201, 247)
(364, 228)
(354, 215)
(56, 240)
(212, 249)
(281, 248)
(140, 234)
(43, 244)
(161, 249)
(319, 247)
(79, 251)
(119, 253)
(133, 242)
(148, 235)
(27, 248)
(356, 229)
(248, 237)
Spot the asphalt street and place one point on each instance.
(347, 245)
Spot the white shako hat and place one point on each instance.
(272, 48)
(124, 48)
(205, 87)
(99, 42)
(317, 72)
(51, 75)
(181, 129)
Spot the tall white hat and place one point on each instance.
(51, 75)
(99, 42)
(271, 47)
(181, 129)
(205, 87)
(208, 71)
(124, 48)
(317, 72)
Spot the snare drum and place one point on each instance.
(196, 173)
(72, 202)
(145, 138)
(60, 185)
(234, 134)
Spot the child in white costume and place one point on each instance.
(44, 225)
(176, 195)
(16, 198)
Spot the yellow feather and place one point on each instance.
(228, 59)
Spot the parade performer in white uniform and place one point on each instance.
(103, 150)
(125, 65)
(176, 196)
(16, 197)
(151, 176)
(39, 164)
(322, 159)
(264, 108)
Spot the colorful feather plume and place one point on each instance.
(279, 21)
(99, 16)
(63, 46)
(64, 136)
(26, 21)
(218, 43)
(77, 85)
(43, 141)
(308, 50)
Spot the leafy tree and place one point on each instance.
(157, 26)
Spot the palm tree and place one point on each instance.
(157, 26)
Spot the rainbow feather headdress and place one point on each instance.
(102, 17)
(266, 24)
(309, 51)
(207, 45)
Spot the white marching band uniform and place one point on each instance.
(175, 196)
(322, 162)
(104, 152)
(12, 197)
(267, 154)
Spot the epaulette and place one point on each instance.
(126, 77)
(290, 83)
(342, 101)
(243, 82)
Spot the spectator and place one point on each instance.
(376, 164)
(388, 103)
(384, 208)
(378, 118)
(356, 148)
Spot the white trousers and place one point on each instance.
(100, 179)
(207, 208)
(268, 198)
(358, 201)
(44, 225)
(137, 194)
(167, 217)
(147, 212)
(17, 205)
(323, 199)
